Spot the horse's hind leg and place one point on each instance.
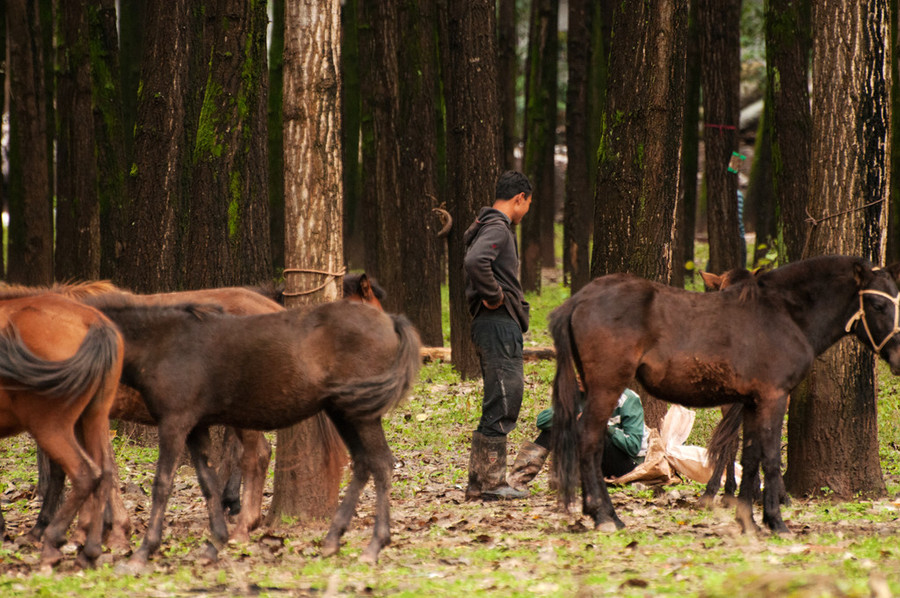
(95, 427)
(85, 476)
(254, 464)
(361, 472)
(750, 459)
(199, 444)
(380, 460)
(55, 491)
(171, 444)
(595, 496)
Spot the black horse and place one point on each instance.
(196, 368)
(758, 341)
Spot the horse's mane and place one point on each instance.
(72, 290)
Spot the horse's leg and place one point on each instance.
(119, 534)
(254, 466)
(380, 459)
(171, 444)
(198, 442)
(599, 406)
(773, 489)
(53, 496)
(361, 471)
(230, 471)
(58, 440)
(750, 458)
(95, 433)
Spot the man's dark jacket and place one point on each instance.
(492, 266)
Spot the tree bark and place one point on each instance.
(832, 427)
(313, 199)
(892, 253)
(468, 51)
(158, 173)
(788, 47)
(77, 202)
(30, 249)
(507, 72)
(638, 181)
(540, 138)
(227, 217)
(415, 226)
(686, 216)
(580, 110)
(760, 206)
(720, 46)
(351, 115)
(276, 135)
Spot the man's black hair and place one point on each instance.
(511, 183)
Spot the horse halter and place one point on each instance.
(861, 315)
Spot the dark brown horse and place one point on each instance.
(247, 453)
(196, 369)
(755, 345)
(60, 364)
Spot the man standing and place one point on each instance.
(499, 318)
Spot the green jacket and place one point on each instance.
(626, 426)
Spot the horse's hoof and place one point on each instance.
(705, 501)
(329, 548)
(239, 536)
(608, 527)
(369, 557)
(209, 554)
(118, 544)
(132, 566)
(84, 561)
(26, 541)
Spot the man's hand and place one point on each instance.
(492, 306)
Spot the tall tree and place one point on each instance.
(350, 139)
(686, 216)
(540, 141)
(226, 216)
(788, 48)
(469, 55)
(579, 103)
(760, 206)
(832, 428)
(416, 228)
(157, 175)
(893, 232)
(77, 202)
(276, 134)
(313, 220)
(30, 249)
(720, 46)
(638, 183)
(507, 73)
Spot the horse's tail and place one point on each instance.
(564, 435)
(722, 446)
(379, 394)
(68, 378)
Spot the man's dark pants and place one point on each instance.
(498, 339)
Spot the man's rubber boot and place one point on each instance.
(527, 465)
(487, 470)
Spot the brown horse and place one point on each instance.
(196, 369)
(60, 363)
(757, 343)
(247, 453)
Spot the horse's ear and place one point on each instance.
(862, 274)
(894, 271)
(712, 281)
(365, 287)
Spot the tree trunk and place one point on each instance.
(77, 203)
(832, 427)
(110, 128)
(788, 46)
(30, 248)
(305, 486)
(354, 254)
(473, 146)
(227, 217)
(686, 216)
(760, 205)
(415, 226)
(133, 19)
(638, 183)
(507, 72)
(579, 185)
(158, 174)
(540, 139)
(892, 254)
(720, 46)
(276, 135)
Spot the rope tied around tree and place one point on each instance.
(813, 222)
(329, 276)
